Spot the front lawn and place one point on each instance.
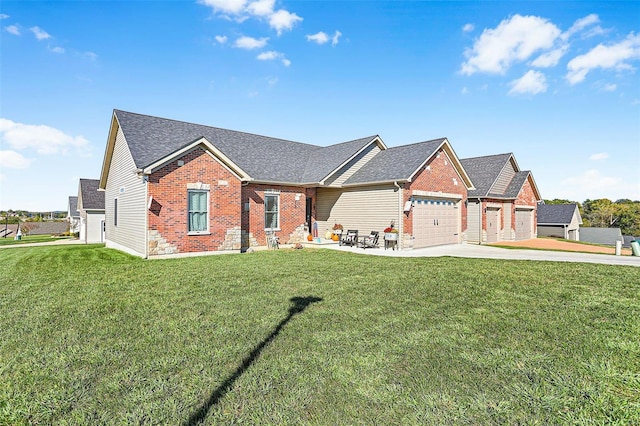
(89, 335)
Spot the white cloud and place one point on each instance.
(42, 139)
(614, 56)
(261, 7)
(550, 58)
(13, 29)
(320, 37)
(225, 6)
(283, 20)
(335, 38)
(580, 25)
(92, 56)
(464, 91)
(221, 39)
(599, 156)
(468, 28)
(13, 160)
(533, 82)
(514, 39)
(251, 43)
(57, 49)
(40, 33)
(592, 184)
(241, 10)
(273, 55)
(4, 16)
(610, 87)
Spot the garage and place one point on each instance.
(524, 224)
(435, 222)
(493, 224)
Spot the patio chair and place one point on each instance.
(273, 241)
(371, 241)
(350, 238)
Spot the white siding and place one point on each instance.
(352, 166)
(504, 179)
(473, 222)
(94, 227)
(124, 184)
(507, 233)
(365, 209)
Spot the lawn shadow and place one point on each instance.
(299, 305)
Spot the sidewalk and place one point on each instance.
(488, 252)
(46, 243)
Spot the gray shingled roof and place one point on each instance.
(73, 206)
(515, 185)
(92, 199)
(264, 158)
(484, 171)
(556, 213)
(607, 236)
(397, 163)
(325, 160)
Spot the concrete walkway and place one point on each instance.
(454, 250)
(65, 241)
(488, 252)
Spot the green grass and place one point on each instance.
(26, 239)
(89, 335)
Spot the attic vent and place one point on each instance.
(180, 163)
(455, 181)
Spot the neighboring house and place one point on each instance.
(559, 220)
(91, 208)
(175, 187)
(45, 228)
(605, 236)
(73, 215)
(502, 207)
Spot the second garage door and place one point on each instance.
(435, 222)
(524, 224)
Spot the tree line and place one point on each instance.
(604, 213)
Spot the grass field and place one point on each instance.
(90, 335)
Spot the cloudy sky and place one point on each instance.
(556, 83)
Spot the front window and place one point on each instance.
(198, 211)
(272, 211)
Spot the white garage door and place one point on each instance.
(524, 224)
(435, 222)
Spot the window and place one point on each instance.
(115, 212)
(271, 211)
(198, 211)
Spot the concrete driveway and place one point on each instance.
(488, 252)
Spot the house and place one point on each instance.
(605, 236)
(73, 215)
(502, 207)
(559, 220)
(91, 208)
(175, 187)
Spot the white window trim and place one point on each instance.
(277, 195)
(206, 231)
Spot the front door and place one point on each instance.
(309, 213)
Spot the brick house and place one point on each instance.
(503, 205)
(180, 188)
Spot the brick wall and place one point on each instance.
(527, 197)
(292, 213)
(441, 177)
(167, 216)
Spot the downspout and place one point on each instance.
(400, 215)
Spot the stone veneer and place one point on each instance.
(159, 245)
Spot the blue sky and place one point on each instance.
(554, 82)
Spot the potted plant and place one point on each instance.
(391, 233)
